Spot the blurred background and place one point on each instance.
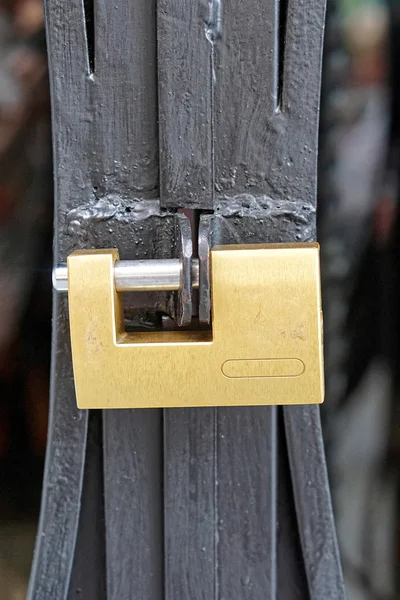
(25, 287)
(359, 230)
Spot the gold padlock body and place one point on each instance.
(265, 346)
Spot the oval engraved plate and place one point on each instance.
(273, 367)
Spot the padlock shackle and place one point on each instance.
(138, 275)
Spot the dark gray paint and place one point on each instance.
(133, 504)
(122, 99)
(265, 126)
(198, 503)
(313, 502)
(190, 515)
(89, 554)
(292, 582)
(246, 501)
(185, 103)
(63, 477)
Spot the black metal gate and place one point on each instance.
(210, 106)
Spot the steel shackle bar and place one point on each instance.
(138, 275)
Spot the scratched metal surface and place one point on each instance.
(202, 503)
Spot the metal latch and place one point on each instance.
(264, 345)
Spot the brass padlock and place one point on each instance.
(264, 347)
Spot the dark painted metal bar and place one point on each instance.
(133, 504)
(185, 102)
(302, 63)
(291, 576)
(69, 84)
(66, 446)
(246, 70)
(88, 575)
(267, 96)
(313, 502)
(63, 476)
(126, 146)
(124, 105)
(190, 517)
(246, 503)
